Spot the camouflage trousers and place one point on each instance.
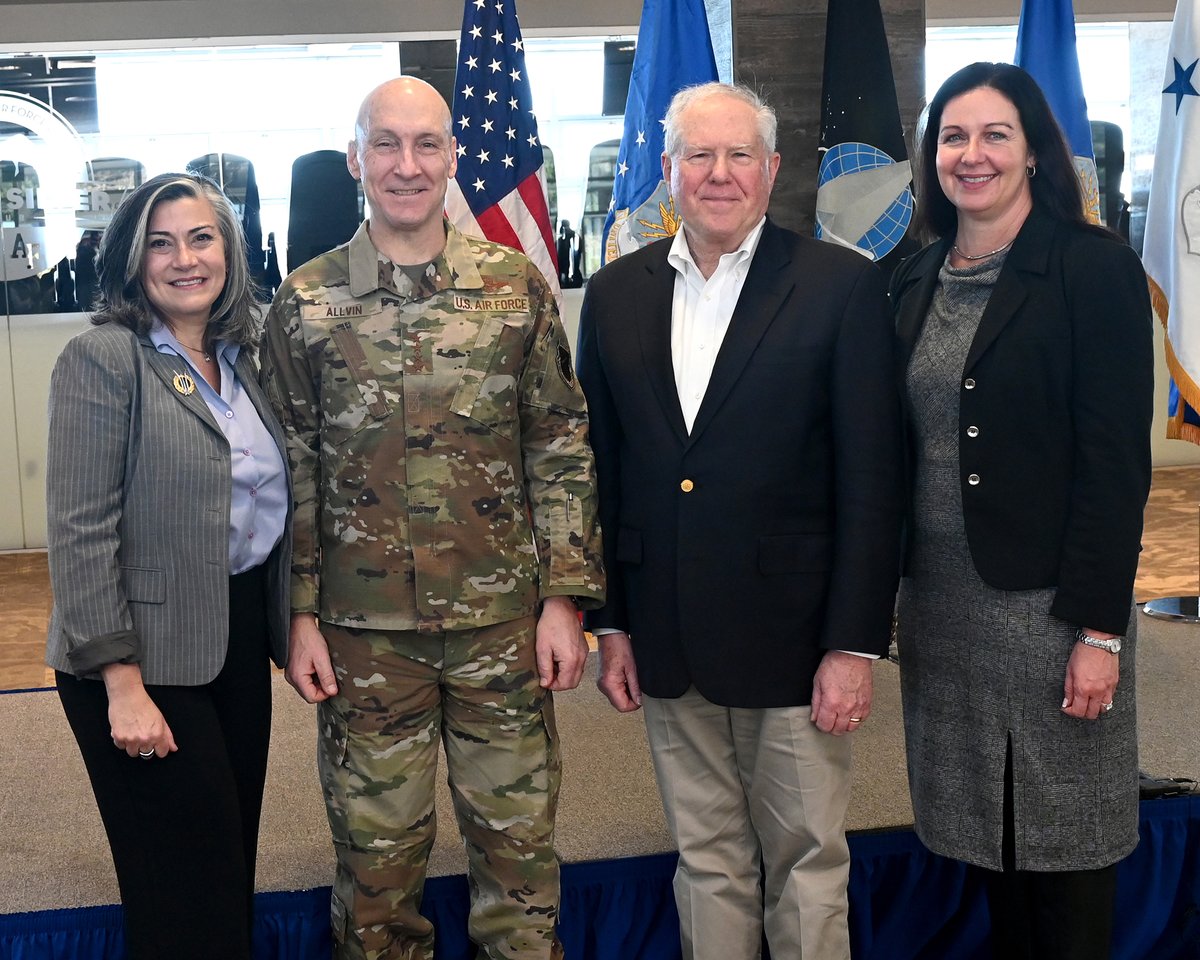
(477, 692)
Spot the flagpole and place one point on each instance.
(1179, 609)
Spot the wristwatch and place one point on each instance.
(1112, 646)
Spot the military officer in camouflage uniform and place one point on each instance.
(445, 536)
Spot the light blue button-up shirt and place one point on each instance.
(258, 509)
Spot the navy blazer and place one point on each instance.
(737, 554)
(1055, 408)
(138, 488)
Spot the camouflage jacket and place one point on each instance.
(437, 437)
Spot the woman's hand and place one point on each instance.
(138, 726)
(1091, 683)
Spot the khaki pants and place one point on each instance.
(400, 693)
(748, 793)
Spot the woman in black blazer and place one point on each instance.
(168, 501)
(1027, 373)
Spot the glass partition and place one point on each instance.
(271, 121)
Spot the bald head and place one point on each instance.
(404, 153)
(404, 94)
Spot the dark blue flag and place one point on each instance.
(1046, 51)
(864, 197)
(674, 50)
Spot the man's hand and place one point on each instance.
(841, 699)
(618, 678)
(309, 669)
(560, 647)
(1092, 676)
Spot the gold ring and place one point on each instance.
(856, 719)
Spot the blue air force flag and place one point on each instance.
(674, 50)
(1046, 51)
(864, 199)
(1172, 248)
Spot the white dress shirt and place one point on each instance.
(700, 313)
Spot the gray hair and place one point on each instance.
(764, 115)
(234, 316)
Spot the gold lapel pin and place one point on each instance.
(184, 384)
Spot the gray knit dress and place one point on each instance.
(981, 666)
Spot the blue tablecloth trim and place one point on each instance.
(905, 904)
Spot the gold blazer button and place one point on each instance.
(687, 486)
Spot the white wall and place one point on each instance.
(35, 341)
(12, 530)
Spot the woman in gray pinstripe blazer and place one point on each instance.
(168, 505)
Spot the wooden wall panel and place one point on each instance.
(781, 52)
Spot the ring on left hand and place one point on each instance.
(856, 719)
(1107, 706)
(145, 754)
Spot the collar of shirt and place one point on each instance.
(680, 254)
(454, 268)
(701, 310)
(165, 341)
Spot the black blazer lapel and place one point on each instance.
(768, 286)
(913, 293)
(1029, 254)
(167, 367)
(652, 321)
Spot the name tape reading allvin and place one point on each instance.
(331, 311)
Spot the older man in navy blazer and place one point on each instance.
(746, 430)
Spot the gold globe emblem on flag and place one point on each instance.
(654, 219)
(1089, 183)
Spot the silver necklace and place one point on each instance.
(207, 357)
(984, 256)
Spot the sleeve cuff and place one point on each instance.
(582, 596)
(87, 658)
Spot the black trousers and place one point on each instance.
(1066, 915)
(184, 828)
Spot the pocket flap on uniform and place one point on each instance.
(629, 545)
(144, 584)
(359, 368)
(487, 389)
(795, 553)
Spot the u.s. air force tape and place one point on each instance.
(513, 303)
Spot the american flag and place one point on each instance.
(498, 192)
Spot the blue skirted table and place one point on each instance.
(905, 904)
